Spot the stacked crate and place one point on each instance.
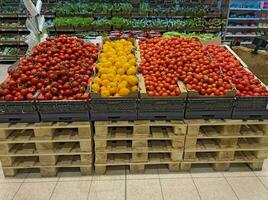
(46, 146)
(138, 143)
(222, 142)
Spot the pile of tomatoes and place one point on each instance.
(166, 61)
(57, 69)
(244, 81)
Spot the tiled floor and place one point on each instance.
(157, 184)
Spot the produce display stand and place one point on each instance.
(46, 146)
(134, 131)
(157, 108)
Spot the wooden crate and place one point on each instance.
(45, 146)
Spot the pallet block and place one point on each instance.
(139, 157)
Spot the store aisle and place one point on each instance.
(157, 184)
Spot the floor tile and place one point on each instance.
(214, 188)
(182, 189)
(107, 190)
(264, 171)
(8, 190)
(204, 171)
(77, 190)
(144, 190)
(248, 188)
(35, 191)
(264, 180)
(165, 173)
(73, 175)
(150, 173)
(239, 170)
(36, 177)
(116, 173)
(19, 178)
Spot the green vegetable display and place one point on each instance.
(9, 51)
(73, 21)
(125, 8)
(139, 23)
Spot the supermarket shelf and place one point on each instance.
(246, 9)
(241, 35)
(243, 27)
(247, 27)
(247, 19)
(241, 43)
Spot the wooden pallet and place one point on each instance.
(48, 170)
(242, 144)
(138, 155)
(139, 128)
(125, 160)
(225, 139)
(249, 158)
(48, 144)
(125, 134)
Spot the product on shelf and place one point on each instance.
(133, 34)
(8, 51)
(57, 69)
(204, 36)
(116, 70)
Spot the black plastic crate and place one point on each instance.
(209, 108)
(18, 111)
(63, 110)
(250, 108)
(161, 109)
(154, 107)
(102, 109)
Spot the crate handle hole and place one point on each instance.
(114, 118)
(14, 119)
(65, 119)
(160, 117)
(208, 116)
